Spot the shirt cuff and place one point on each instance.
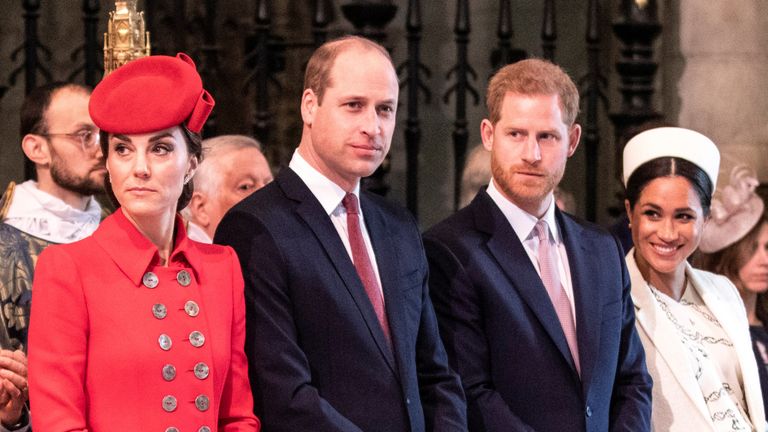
(23, 425)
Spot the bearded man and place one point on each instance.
(59, 137)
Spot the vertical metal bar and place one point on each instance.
(31, 44)
(505, 53)
(460, 134)
(31, 62)
(180, 30)
(637, 27)
(263, 23)
(320, 19)
(412, 128)
(591, 135)
(92, 45)
(210, 64)
(549, 31)
(504, 33)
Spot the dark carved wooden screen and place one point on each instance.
(243, 61)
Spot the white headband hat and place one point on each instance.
(672, 142)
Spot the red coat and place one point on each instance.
(110, 351)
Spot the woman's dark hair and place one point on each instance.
(195, 148)
(668, 167)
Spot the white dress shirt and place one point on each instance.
(523, 224)
(330, 195)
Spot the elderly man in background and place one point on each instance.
(58, 136)
(233, 167)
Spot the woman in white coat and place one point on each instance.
(691, 322)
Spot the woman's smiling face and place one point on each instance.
(667, 223)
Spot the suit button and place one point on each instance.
(165, 342)
(159, 311)
(196, 339)
(191, 308)
(201, 370)
(149, 280)
(588, 411)
(407, 401)
(183, 278)
(202, 402)
(204, 429)
(169, 372)
(169, 403)
(172, 429)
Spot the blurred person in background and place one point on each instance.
(60, 139)
(233, 167)
(735, 244)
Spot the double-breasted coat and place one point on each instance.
(118, 342)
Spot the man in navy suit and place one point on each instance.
(341, 333)
(534, 306)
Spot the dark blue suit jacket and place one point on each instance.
(504, 338)
(317, 356)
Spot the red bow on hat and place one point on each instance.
(151, 94)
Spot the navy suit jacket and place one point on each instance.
(317, 356)
(504, 338)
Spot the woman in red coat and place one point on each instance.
(138, 327)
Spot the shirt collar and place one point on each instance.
(197, 233)
(326, 191)
(135, 254)
(45, 216)
(523, 222)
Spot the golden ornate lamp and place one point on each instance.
(126, 38)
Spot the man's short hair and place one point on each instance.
(533, 77)
(36, 104)
(318, 74)
(206, 179)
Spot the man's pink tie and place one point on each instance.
(551, 278)
(363, 263)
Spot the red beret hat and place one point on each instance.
(151, 94)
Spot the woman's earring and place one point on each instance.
(186, 178)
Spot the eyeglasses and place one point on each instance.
(88, 138)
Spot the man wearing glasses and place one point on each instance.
(59, 137)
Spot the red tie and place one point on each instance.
(551, 278)
(363, 262)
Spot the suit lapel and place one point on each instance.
(663, 335)
(389, 271)
(310, 210)
(722, 309)
(512, 258)
(586, 292)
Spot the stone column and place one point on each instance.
(715, 77)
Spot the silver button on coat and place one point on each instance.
(202, 402)
(150, 280)
(169, 403)
(172, 429)
(184, 278)
(191, 308)
(169, 372)
(201, 370)
(165, 342)
(159, 311)
(204, 429)
(196, 339)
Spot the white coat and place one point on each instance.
(678, 404)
